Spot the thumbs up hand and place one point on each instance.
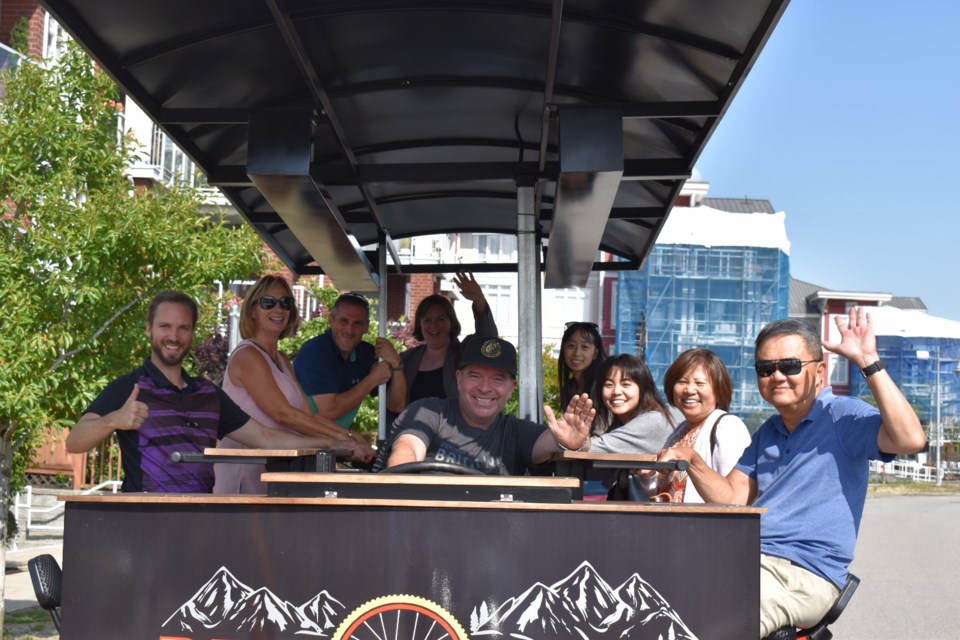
(132, 414)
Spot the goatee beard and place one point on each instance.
(167, 360)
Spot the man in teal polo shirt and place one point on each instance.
(809, 464)
(337, 370)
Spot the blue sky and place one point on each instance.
(850, 123)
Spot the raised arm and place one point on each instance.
(92, 428)
(571, 431)
(483, 321)
(900, 431)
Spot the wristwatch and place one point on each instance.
(879, 365)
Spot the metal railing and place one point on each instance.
(25, 502)
(904, 469)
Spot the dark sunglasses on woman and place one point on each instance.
(269, 302)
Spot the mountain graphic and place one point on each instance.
(595, 601)
(583, 605)
(638, 593)
(211, 604)
(540, 611)
(263, 610)
(227, 605)
(651, 608)
(323, 610)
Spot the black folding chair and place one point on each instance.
(820, 631)
(46, 576)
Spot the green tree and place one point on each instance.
(550, 385)
(83, 251)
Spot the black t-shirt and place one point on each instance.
(428, 384)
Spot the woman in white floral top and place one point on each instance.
(698, 384)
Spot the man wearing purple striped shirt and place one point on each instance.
(158, 409)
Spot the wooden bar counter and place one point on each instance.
(238, 567)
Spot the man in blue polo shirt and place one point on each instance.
(337, 370)
(809, 464)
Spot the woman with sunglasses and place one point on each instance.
(260, 379)
(633, 416)
(581, 357)
(699, 385)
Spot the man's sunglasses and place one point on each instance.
(269, 302)
(787, 366)
(354, 298)
(589, 326)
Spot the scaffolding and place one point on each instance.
(912, 363)
(719, 298)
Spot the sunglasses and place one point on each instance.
(354, 298)
(589, 326)
(269, 302)
(787, 366)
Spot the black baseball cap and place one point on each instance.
(491, 352)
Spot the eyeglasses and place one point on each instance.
(589, 326)
(787, 366)
(269, 302)
(354, 298)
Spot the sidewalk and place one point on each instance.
(18, 589)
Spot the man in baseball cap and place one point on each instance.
(472, 430)
(492, 352)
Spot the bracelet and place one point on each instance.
(583, 445)
(400, 368)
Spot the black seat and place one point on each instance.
(46, 576)
(820, 631)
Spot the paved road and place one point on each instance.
(908, 557)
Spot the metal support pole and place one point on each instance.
(939, 426)
(234, 328)
(528, 302)
(382, 332)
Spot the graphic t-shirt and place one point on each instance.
(503, 448)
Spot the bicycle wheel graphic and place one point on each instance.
(400, 617)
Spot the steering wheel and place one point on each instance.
(433, 466)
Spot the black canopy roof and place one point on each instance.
(335, 126)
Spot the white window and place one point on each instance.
(175, 165)
(568, 305)
(499, 299)
(495, 247)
